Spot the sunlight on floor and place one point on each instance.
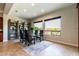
(46, 48)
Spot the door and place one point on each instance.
(1, 29)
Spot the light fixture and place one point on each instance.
(34, 14)
(42, 10)
(24, 10)
(33, 4)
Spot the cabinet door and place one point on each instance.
(1, 36)
(1, 29)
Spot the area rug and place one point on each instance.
(37, 48)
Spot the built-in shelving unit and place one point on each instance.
(12, 29)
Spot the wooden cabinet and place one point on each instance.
(1, 29)
(1, 36)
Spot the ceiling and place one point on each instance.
(2, 7)
(33, 10)
(7, 7)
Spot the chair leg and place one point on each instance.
(34, 41)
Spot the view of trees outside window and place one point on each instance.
(38, 25)
(53, 26)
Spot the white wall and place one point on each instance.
(5, 25)
(69, 33)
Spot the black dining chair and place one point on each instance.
(37, 36)
(41, 35)
(21, 35)
(28, 37)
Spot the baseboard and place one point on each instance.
(63, 43)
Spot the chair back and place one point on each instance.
(36, 32)
(41, 32)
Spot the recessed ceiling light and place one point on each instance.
(34, 14)
(42, 10)
(24, 10)
(33, 4)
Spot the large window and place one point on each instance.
(38, 25)
(53, 26)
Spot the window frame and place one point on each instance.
(38, 22)
(54, 18)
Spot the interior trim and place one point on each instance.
(37, 21)
(63, 43)
(52, 18)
